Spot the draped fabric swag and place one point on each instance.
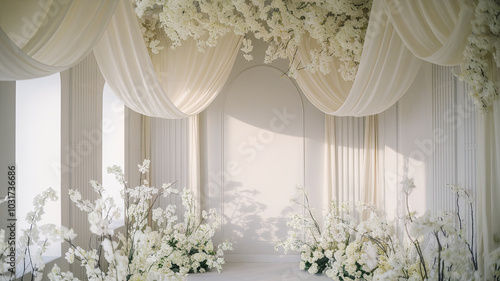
(37, 40)
(400, 35)
(172, 84)
(193, 147)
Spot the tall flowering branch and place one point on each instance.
(142, 253)
(435, 247)
(33, 243)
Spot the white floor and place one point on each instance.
(258, 272)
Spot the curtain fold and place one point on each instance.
(41, 38)
(400, 35)
(351, 160)
(173, 84)
(370, 172)
(146, 152)
(387, 69)
(329, 191)
(194, 160)
(488, 180)
(435, 31)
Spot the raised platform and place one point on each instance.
(258, 272)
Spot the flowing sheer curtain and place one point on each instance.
(435, 31)
(39, 38)
(351, 158)
(172, 84)
(386, 71)
(400, 35)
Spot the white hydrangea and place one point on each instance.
(338, 28)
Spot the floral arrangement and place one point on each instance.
(32, 243)
(342, 249)
(483, 47)
(337, 28)
(438, 247)
(434, 246)
(166, 249)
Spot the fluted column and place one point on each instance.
(82, 87)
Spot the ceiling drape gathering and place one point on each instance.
(400, 35)
(39, 38)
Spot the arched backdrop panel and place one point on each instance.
(263, 146)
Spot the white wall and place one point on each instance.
(403, 129)
(259, 139)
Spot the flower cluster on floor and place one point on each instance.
(427, 247)
(166, 249)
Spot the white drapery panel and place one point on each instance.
(400, 34)
(173, 84)
(351, 160)
(371, 177)
(39, 38)
(488, 180)
(174, 157)
(435, 31)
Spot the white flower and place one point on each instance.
(158, 215)
(75, 195)
(494, 259)
(370, 255)
(144, 252)
(407, 185)
(68, 234)
(144, 168)
(94, 218)
(313, 269)
(70, 255)
(459, 190)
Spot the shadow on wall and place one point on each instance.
(246, 224)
